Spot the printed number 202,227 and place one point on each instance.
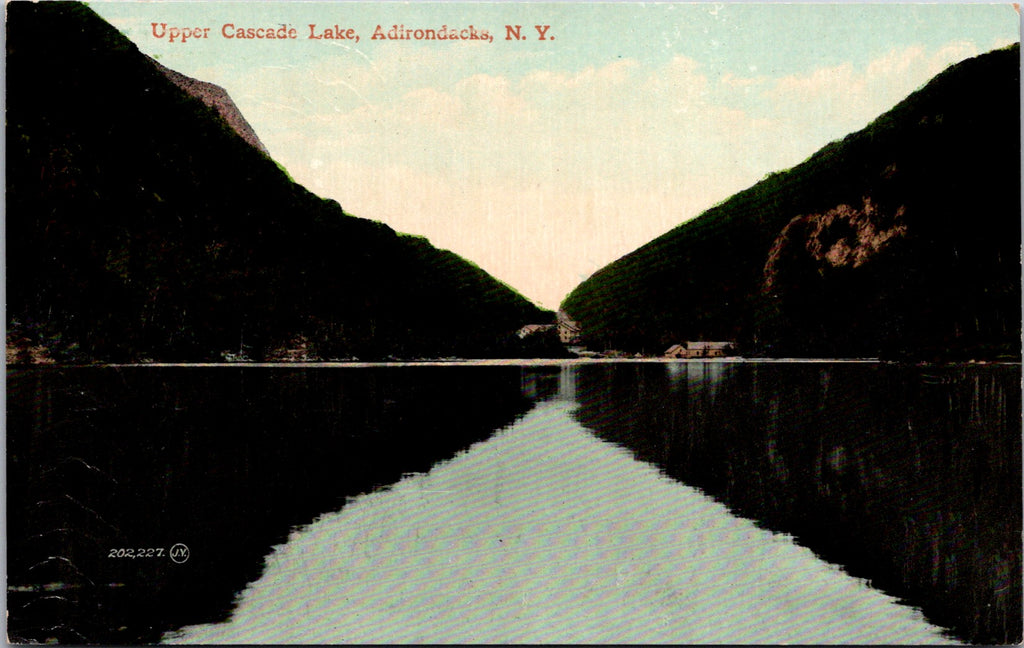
(144, 552)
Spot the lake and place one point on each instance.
(598, 502)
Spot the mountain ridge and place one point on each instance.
(143, 226)
(947, 149)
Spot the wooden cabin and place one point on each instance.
(701, 349)
(531, 329)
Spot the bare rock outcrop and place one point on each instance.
(217, 98)
(842, 237)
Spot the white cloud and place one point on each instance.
(834, 101)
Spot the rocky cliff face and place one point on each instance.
(217, 98)
(842, 237)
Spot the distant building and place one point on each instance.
(677, 351)
(701, 350)
(569, 332)
(531, 329)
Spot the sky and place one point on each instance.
(544, 159)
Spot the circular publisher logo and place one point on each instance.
(180, 553)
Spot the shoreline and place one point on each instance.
(513, 362)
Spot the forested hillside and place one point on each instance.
(901, 241)
(144, 224)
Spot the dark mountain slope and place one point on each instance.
(140, 224)
(901, 240)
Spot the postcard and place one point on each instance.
(513, 322)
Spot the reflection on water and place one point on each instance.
(504, 523)
(909, 477)
(698, 376)
(542, 534)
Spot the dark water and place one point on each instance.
(907, 477)
(224, 460)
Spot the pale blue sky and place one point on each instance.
(544, 160)
(779, 39)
